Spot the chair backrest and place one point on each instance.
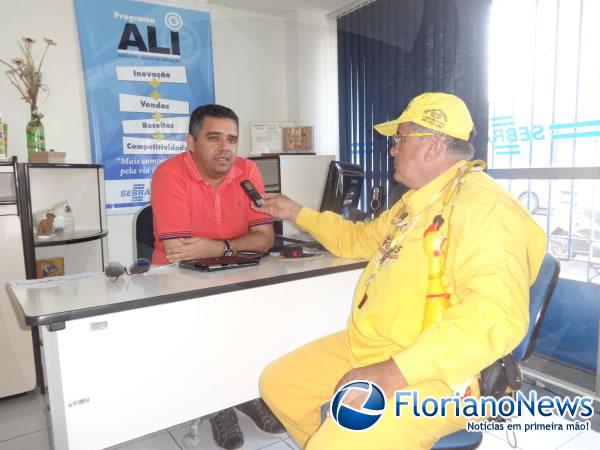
(143, 233)
(539, 297)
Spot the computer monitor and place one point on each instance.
(342, 188)
(269, 169)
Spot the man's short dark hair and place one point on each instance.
(218, 111)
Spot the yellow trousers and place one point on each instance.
(296, 385)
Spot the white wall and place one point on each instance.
(265, 67)
(311, 53)
(250, 67)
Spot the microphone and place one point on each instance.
(251, 192)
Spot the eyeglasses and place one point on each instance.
(114, 269)
(400, 138)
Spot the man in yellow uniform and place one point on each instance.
(490, 251)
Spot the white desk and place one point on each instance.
(150, 351)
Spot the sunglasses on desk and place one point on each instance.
(114, 270)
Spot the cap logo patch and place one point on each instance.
(435, 117)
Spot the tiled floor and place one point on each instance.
(24, 426)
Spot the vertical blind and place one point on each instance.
(389, 51)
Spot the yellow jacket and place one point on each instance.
(495, 249)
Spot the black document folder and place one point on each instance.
(220, 263)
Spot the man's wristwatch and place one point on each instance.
(228, 250)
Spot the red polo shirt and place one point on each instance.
(186, 205)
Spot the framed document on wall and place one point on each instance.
(297, 139)
(267, 137)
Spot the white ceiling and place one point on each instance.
(284, 7)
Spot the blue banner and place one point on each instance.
(146, 67)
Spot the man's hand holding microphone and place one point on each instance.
(279, 206)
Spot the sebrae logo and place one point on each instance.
(138, 193)
(358, 419)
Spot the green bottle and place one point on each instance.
(3, 130)
(35, 133)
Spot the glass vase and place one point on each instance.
(35, 133)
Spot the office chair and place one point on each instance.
(143, 233)
(539, 298)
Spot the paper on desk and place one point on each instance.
(57, 281)
(54, 281)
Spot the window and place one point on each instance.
(544, 131)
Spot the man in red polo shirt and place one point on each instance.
(200, 210)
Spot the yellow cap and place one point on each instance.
(438, 111)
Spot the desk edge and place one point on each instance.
(82, 313)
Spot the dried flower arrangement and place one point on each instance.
(25, 75)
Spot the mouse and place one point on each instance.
(293, 251)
